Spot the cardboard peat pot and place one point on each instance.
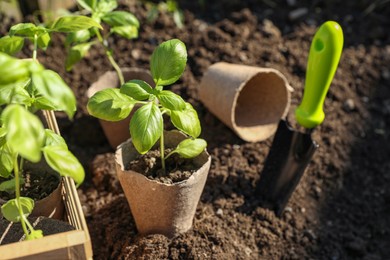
(51, 206)
(118, 132)
(249, 100)
(160, 208)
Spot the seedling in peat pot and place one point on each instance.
(146, 126)
(26, 87)
(121, 23)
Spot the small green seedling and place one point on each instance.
(146, 126)
(170, 6)
(26, 87)
(121, 23)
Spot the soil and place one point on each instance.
(177, 169)
(14, 231)
(35, 186)
(341, 207)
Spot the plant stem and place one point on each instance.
(110, 58)
(17, 193)
(162, 149)
(35, 47)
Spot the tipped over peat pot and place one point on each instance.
(160, 208)
(118, 132)
(249, 100)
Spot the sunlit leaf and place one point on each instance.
(10, 209)
(146, 127)
(110, 105)
(168, 62)
(25, 132)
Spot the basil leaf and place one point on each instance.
(53, 139)
(12, 69)
(15, 93)
(110, 104)
(120, 18)
(146, 127)
(106, 6)
(87, 4)
(9, 185)
(11, 45)
(170, 100)
(186, 121)
(43, 104)
(190, 148)
(77, 37)
(23, 29)
(168, 62)
(25, 132)
(6, 160)
(43, 41)
(126, 31)
(51, 86)
(64, 162)
(137, 89)
(10, 209)
(34, 234)
(74, 23)
(76, 53)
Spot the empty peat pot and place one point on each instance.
(118, 132)
(249, 100)
(160, 208)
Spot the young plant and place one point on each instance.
(146, 126)
(26, 87)
(121, 23)
(170, 6)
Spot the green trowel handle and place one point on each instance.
(324, 56)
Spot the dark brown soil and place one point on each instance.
(49, 226)
(340, 209)
(149, 164)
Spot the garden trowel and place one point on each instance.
(291, 149)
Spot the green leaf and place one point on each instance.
(15, 93)
(6, 160)
(43, 103)
(146, 127)
(10, 209)
(127, 31)
(51, 86)
(170, 100)
(110, 105)
(25, 132)
(106, 6)
(120, 18)
(87, 4)
(74, 23)
(186, 121)
(137, 89)
(190, 148)
(12, 69)
(168, 62)
(76, 53)
(9, 185)
(23, 29)
(34, 234)
(77, 37)
(53, 139)
(43, 41)
(11, 45)
(64, 162)
(178, 18)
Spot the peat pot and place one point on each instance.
(160, 208)
(118, 132)
(249, 100)
(51, 206)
